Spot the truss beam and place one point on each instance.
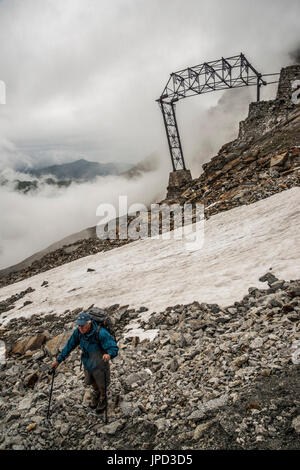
(222, 74)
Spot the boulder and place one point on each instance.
(210, 406)
(200, 430)
(25, 404)
(278, 159)
(29, 344)
(129, 409)
(294, 290)
(162, 424)
(31, 380)
(112, 428)
(268, 277)
(138, 378)
(240, 361)
(56, 344)
(257, 343)
(296, 424)
(173, 365)
(36, 342)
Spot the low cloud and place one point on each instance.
(295, 55)
(31, 222)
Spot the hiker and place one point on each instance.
(98, 347)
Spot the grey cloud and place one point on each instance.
(91, 71)
(295, 55)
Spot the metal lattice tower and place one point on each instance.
(232, 72)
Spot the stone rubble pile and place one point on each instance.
(8, 304)
(212, 378)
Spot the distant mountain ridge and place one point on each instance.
(81, 169)
(28, 179)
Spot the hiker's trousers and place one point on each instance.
(100, 374)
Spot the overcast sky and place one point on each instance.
(82, 76)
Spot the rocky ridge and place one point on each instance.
(231, 179)
(213, 378)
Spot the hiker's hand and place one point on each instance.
(54, 365)
(106, 357)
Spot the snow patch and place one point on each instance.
(141, 334)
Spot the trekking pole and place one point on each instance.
(52, 371)
(105, 395)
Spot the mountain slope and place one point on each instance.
(218, 370)
(239, 246)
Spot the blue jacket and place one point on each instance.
(91, 351)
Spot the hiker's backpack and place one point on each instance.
(103, 320)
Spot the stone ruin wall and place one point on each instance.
(265, 115)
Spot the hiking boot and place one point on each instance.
(94, 399)
(101, 405)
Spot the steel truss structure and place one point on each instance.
(232, 72)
